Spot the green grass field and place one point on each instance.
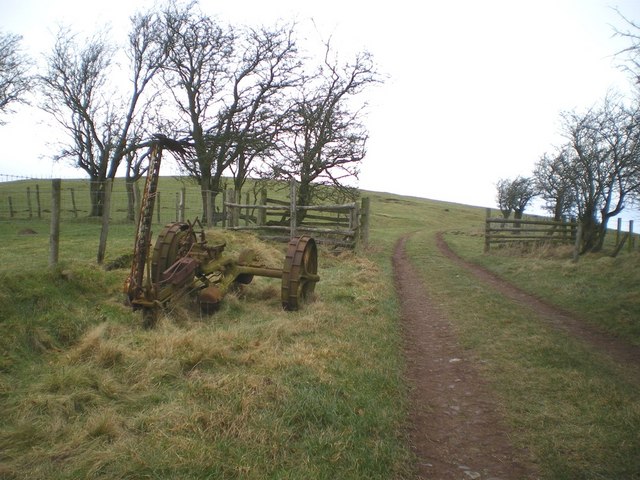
(256, 392)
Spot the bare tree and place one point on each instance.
(515, 195)
(326, 139)
(552, 177)
(135, 161)
(605, 145)
(15, 79)
(71, 89)
(631, 53)
(195, 74)
(82, 98)
(503, 197)
(524, 191)
(229, 87)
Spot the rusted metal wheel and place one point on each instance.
(300, 272)
(173, 243)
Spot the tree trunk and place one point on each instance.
(96, 194)
(212, 185)
(304, 199)
(557, 211)
(517, 215)
(602, 233)
(205, 186)
(589, 232)
(131, 199)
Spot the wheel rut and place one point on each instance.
(456, 430)
(609, 346)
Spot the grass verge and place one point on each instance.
(573, 409)
(254, 392)
(251, 392)
(600, 289)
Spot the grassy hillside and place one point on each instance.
(251, 392)
(576, 411)
(255, 392)
(30, 200)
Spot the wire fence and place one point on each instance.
(37, 229)
(68, 213)
(31, 199)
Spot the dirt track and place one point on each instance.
(606, 344)
(456, 429)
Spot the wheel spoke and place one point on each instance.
(299, 274)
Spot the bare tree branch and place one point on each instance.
(325, 141)
(15, 77)
(105, 123)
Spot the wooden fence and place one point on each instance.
(504, 231)
(622, 238)
(344, 225)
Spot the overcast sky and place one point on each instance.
(474, 93)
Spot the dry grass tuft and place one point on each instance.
(39, 340)
(96, 346)
(267, 254)
(104, 424)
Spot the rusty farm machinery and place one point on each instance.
(182, 261)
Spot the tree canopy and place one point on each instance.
(104, 123)
(595, 173)
(513, 196)
(15, 77)
(246, 100)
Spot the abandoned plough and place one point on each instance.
(183, 262)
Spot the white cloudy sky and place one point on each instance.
(474, 93)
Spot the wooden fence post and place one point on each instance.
(618, 230)
(210, 207)
(39, 207)
(54, 235)
(364, 221)
(620, 245)
(353, 217)
(73, 203)
(224, 209)
(576, 247)
(106, 209)
(233, 211)
(262, 212)
(183, 200)
(632, 240)
(247, 212)
(293, 210)
(11, 212)
(487, 231)
(29, 202)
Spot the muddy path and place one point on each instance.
(457, 431)
(615, 349)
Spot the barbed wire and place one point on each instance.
(5, 177)
(631, 213)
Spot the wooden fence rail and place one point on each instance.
(338, 225)
(501, 231)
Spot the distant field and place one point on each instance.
(22, 198)
(255, 392)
